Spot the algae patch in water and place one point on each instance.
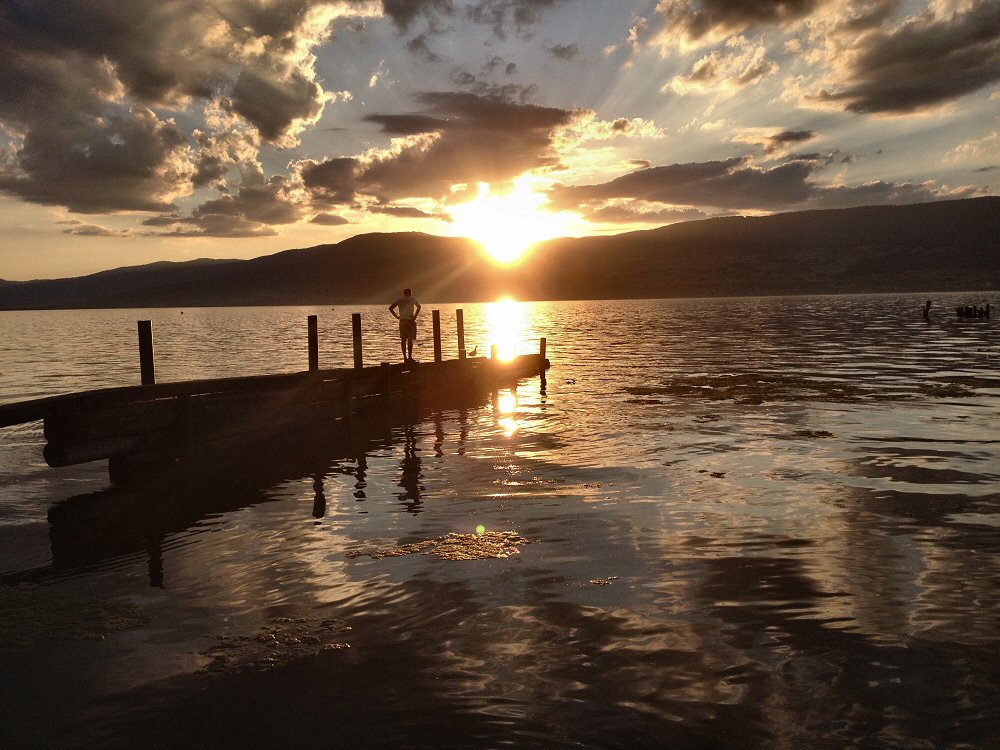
(489, 544)
(29, 614)
(277, 642)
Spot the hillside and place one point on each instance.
(949, 245)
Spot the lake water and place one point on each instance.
(736, 523)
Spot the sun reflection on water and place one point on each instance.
(505, 408)
(507, 323)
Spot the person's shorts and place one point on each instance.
(407, 329)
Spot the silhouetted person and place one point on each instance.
(927, 310)
(409, 309)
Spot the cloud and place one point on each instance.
(985, 149)
(506, 15)
(250, 213)
(85, 85)
(738, 184)
(639, 213)
(502, 16)
(739, 65)
(420, 47)
(925, 62)
(331, 181)
(404, 12)
(82, 229)
(127, 159)
(563, 51)
(329, 220)
(458, 138)
(406, 212)
(771, 142)
(690, 21)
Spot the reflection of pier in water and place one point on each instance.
(190, 451)
(92, 529)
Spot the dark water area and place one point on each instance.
(736, 523)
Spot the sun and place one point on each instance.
(507, 223)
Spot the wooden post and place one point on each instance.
(146, 352)
(460, 325)
(436, 324)
(541, 353)
(385, 374)
(493, 351)
(356, 331)
(313, 344)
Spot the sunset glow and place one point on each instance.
(506, 321)
(508, 223)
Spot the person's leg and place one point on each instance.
(402, 345)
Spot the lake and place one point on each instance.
(718, 523)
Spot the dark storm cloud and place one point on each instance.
(469, 139)
(736, 184)
(700, 17)
(925, 62)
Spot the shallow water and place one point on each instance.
(719, 523)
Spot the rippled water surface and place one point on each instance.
(718, 523)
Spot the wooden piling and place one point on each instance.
(356, 331)
(313, 344)
(460, 326)
(385, 378)
(541, 352)
(493, 351)
(436, 325)
(146, 370)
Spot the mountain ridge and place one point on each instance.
(940, 246)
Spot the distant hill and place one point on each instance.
(943, 246)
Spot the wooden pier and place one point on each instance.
(140, 428)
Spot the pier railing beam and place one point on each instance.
(460, 326)
(436, 325)
(146, 370)
(313, 344)
(356, 332)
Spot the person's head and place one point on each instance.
(407, 292)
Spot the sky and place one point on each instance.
(148, 130)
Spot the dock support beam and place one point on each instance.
(460, 325)
(147, 374)
(313, 344)
(356, 331)
(493, 351)
(436, 324)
